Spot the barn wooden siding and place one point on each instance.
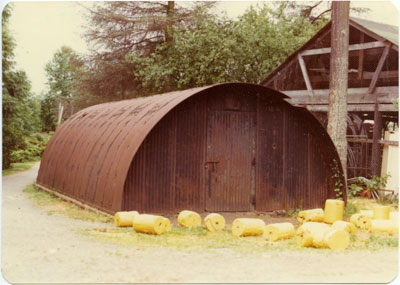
(228, 147)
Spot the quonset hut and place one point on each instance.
(226, 147)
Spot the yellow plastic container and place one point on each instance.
(149, 224)
(189, 219)
(313, 215)
(361, 221)
(279, 231)
(247, 227)
(321, 235)
(381, 212)
(346, 226)
(307, 232)
(334, 211)
(394, 216)
(167, 224)
(390, 227)
(214, 222)
(368, 213)
(124, 219)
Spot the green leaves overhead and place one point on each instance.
(18, 104)
(219, 49)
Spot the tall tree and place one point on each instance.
(337, 113)
(19, 120)
(116, 29)
(62, 72)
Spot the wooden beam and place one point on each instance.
(354, 108)
(384, 142)
(377, 134)
(305, 75)
(353, 47)
(389, 90)
(351, 99)
(366, 75)
(378, 69)
(361, 59)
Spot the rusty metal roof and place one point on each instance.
(89, 155)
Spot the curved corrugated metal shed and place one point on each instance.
(89, 156)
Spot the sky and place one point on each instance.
(41, 28)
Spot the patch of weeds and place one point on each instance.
(295, 212)
(379, 241)
(54, 205)
(350, 209)
(365, 240)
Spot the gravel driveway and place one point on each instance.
(42, 248)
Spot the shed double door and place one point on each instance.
(230, 160)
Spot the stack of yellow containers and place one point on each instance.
(381, 222)
(321, 235)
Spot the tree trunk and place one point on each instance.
(170, 20)
(338, 79)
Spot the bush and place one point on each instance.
(32, 150)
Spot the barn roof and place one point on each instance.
(379, 31)
(90, 154)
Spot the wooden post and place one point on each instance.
(361, 59)
(376, 151)
(60, 113)
(338, 79)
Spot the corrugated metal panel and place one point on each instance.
(175, 149)
(271, 153)
(190, 154)
(90, 157)
(296, 176)
(229, 158)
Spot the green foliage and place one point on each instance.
(47, 113)
(353, 190)
(34, 147)
(19, 106)
(295, 212)
(54, 205)
(350, 209)
(338, 181)
(62, 73)
(389, 199)
(219, 50)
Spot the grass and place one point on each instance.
(199, 239)
(196, 239)
(18, 167)
(54, 205)
(368, 204)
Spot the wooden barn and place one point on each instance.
(373, 86)
(227, 147)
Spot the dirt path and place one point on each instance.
(40, 248)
